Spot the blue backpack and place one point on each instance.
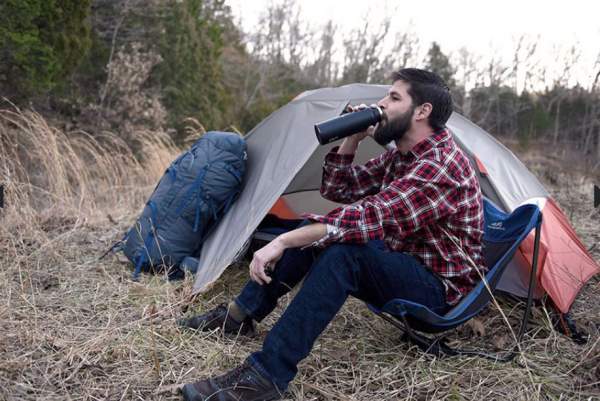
(194, 193)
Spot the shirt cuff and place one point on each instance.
(333, 232)
(334, 159)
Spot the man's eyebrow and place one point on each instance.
(392, 92)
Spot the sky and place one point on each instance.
(484, 28)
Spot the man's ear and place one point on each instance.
(424, 111)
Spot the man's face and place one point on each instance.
(399, 109)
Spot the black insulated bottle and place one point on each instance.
(347, 124)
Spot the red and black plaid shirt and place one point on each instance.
(414, 202)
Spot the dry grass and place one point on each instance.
(73, 327)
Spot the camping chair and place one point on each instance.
(503, 235)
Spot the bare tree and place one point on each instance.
(405, 52)
(560, 89)
(466, 76)
(363, 51)
(524, 61)
(281, 36)
(324, 69)
(594, 112)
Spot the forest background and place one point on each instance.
(126, 65)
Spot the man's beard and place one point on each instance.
(393, 130)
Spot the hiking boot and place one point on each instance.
(219, 318)
(243, 383)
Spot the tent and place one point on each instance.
(284, 176)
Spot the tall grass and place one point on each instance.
(50, 174)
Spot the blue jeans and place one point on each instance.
(367, 272)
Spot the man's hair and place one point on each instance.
(428, 87)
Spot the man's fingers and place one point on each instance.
(263, 276)
(361, 106)
(257, 272)
(262, 261)
(253, 276)
(253, 272)
(256, 278)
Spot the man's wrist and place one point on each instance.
(348, 146)
(300, 236)
(281, 241)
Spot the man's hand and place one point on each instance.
(350, 143)
(265, 258)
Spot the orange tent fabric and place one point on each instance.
(564, 263)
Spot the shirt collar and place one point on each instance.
(432, 141)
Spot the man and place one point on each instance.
(420, 200)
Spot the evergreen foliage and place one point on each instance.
(41, 43)
(532, 119)
(439, 63)
(190, 73)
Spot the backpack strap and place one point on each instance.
(229, 201)
(197, 217)
(190, 192)
(228, 204)
(116, 247)
(143, 257)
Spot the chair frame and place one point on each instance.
(437, 346)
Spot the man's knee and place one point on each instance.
(338, 263)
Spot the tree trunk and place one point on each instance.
(556, 122)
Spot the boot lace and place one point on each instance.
(237, 375)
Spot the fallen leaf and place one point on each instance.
(500, 342)
(476, 327)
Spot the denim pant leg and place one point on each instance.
(368, 273)
(258, 300)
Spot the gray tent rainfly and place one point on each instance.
(285, 161)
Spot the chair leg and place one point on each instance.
(434, 346)
(532, 276)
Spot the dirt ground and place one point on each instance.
(75, 328)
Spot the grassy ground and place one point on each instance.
(73, 327)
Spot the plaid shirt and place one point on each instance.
(414, 202)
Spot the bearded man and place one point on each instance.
(405, 215)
